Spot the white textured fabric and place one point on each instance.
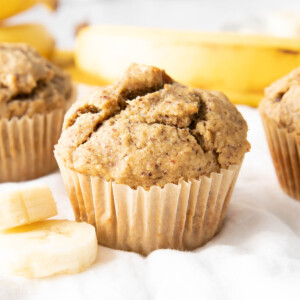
(255, 256)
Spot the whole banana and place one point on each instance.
(13, 7)
(35, 35)
(239, 65)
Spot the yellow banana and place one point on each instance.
(35, 35)
(13, 7)
(239, 65)
(65, 60)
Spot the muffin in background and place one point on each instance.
(34, 95)
(151, 163)
(280, 114)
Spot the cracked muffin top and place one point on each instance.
(147, 129)
(29, 84)
(282, 102)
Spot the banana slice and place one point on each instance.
(46, 248)
(26, 206)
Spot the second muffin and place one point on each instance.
(150, 162)
(280, 113)
(34, 96)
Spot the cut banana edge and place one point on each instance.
(47, 248)
(26, 206)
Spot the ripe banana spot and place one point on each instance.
(288, 51)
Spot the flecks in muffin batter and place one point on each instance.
(147, 129)
(282, 101)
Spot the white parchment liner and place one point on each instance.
(26, 145)
(285, 151)
(182, 216)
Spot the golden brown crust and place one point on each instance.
(282, 102)
(29, 84)
(149, 130)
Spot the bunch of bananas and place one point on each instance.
(239, 65)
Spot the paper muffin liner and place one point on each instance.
(285, 151)
(180, 216)
(26, 145)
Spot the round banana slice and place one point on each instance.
(46, 248)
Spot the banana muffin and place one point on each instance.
(34, 95)
(155, 138)
(280, 113)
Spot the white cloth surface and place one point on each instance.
(256, 255)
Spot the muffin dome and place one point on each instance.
(29, 84)
(147, 129)
(282, 102)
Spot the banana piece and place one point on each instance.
(35, 35)
(239, 65)
(13, 7)
(47, 248)
(26, 206)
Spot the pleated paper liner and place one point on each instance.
(26, 145)
(285, 151)
(182, 216)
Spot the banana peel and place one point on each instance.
(65, 59)
(239, 65)
(13, 7)
(35, 35)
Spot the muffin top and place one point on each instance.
(29, 84)
(282, 102)
(147, 129)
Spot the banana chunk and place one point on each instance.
(26, 206)
(47, 248)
